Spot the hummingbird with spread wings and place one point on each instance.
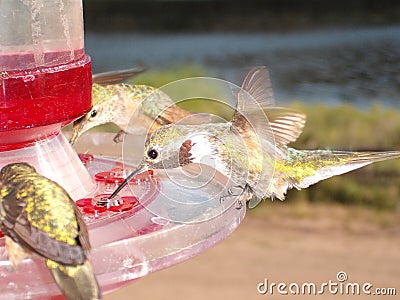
(252, 150)
(37, 215)
(118, 103)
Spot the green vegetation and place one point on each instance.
(158, 78)
(346, 127)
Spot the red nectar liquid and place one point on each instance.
(36, 103)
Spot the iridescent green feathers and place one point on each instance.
(38, 214)
(301, 168)
(135, 109)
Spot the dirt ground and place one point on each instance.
(288, 244)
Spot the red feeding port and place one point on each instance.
(117, 176)
(87, 206)
(86, 158)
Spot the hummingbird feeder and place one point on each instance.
(46, 83)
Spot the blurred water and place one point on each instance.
(359, 66)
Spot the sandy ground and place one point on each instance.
(285, 246)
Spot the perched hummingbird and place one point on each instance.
(37, 215)
(252, 154)
(118, 103)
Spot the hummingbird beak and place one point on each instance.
(140, 169)
(76, 131)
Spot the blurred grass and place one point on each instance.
(341, 127)
(158, 78)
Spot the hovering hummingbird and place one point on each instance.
(118, 103)
(37, 215)
(253, 154)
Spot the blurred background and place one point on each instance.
(339, 52)
(337, 61)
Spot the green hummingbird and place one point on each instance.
(37, 215)
(249, 151)
(118, 103)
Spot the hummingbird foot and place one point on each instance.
(235, 191)
(106, 202)
(238, 204)
(16, 254)
(119, 137)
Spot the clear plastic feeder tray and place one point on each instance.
(138, 238)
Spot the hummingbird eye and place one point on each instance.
(153, 154)
(93, 113)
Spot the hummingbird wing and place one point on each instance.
(286, 124)
(158, 106)
(38, 215)
(251, 123)
(263, 126)
(258, 84)
(300, 169)
(117, 76)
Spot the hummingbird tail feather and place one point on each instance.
(300, 169)
(75, 282)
